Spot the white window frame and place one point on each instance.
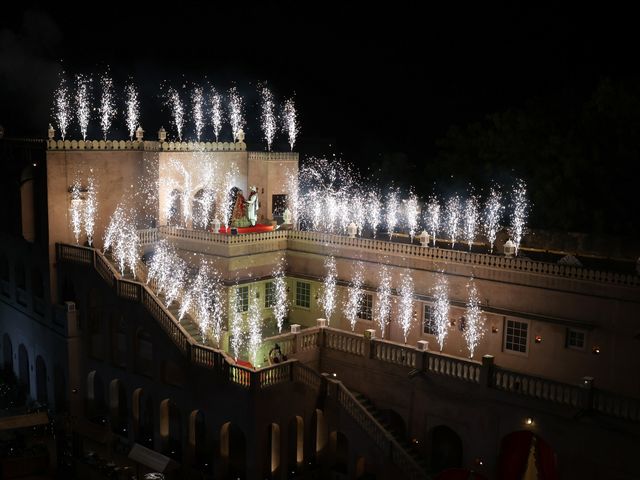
(584, 339)
(305, 307)
(504, 337)
(425, 308)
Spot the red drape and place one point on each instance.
(545, 461)
(514, 452)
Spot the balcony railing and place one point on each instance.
(297, 239)
(485, 374)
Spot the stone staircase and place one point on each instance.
(399, 437)
(187, 322)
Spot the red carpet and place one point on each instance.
(259, 228)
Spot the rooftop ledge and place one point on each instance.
(146, 145)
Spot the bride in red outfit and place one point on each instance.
(239, 214)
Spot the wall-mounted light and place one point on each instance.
(528, 421)
(479, 461)
(596, 350)
(538, 339)
(494, 329)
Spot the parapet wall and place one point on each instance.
(146, 145)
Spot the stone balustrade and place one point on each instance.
(308, 241)
(485, 375)
(148, 145)
(274, 156)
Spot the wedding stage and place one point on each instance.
(258, 228)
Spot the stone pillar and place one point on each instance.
(369, 346)
(486, 371)
(587, 394)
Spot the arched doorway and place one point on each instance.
(118, 407)
(143, 416)
(339, 452)
(41, 381)
(395, 422)
(171, 430)
(446, 449)
(7, 355)
(198, 440)
(23, 369)
(97, 410)
(174, 212)
(318, 433)
(233, 452)
(272, 463)
(203, 209)
(295, 451)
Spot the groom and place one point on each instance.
(253, 204)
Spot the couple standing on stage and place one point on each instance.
(245, 210)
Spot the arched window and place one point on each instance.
(174, 217)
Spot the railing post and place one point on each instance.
(587, 394)
(421, 356)
(369, 346)
(295, 330)
(254, 381)
(486, 371)
(322, 323)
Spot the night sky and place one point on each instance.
(370, 82)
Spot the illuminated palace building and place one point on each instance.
(181, 367)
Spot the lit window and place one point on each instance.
(365, 309)
(303, 294)
(516, 336)
(428, 322)
(242, 299)
(269, 295)
(575, 339)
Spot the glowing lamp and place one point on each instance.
(424, 238)
(528, 421)
(509, 248)
(352, 229)
(51, 132)
(139, 133)
(162, 134)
